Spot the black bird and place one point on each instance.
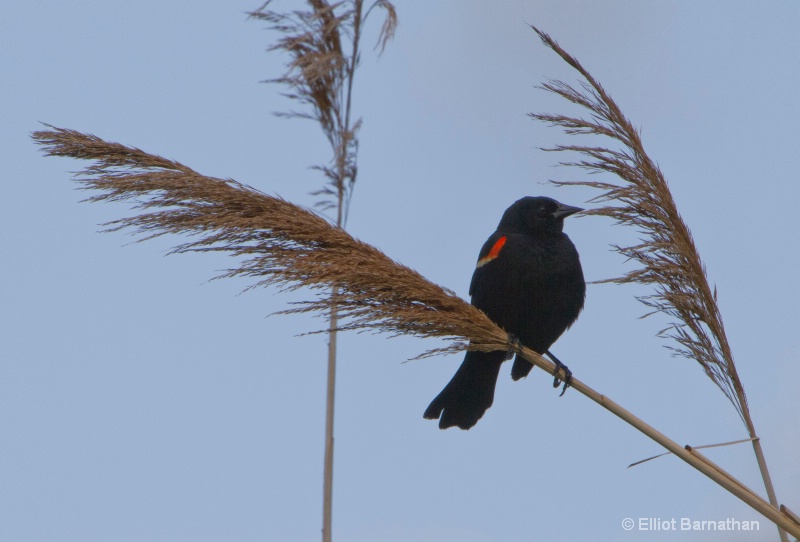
(529, 281)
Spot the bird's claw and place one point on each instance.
(567, 379)
(514, 346)
(567, 374)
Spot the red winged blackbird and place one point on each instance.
(529, 281)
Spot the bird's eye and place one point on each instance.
(544, 211)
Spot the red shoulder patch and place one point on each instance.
(494, 252)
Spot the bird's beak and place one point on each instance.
(564, 211)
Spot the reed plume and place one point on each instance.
(279, 244)
(322, 43)
(668, 258)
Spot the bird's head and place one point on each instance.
(536, 215)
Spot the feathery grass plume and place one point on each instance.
(669, 259)
(320, 76)
(287, 246)
(281, 244)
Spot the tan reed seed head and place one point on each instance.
(321, 42)
(667, 255)
(278, 244)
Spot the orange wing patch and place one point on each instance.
(493, 253)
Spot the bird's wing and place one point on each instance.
(498, 278)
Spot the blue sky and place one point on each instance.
(139, 401)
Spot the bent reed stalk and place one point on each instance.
(669, 260)
(289, 247)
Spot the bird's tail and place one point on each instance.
(469, 393)
(521, 368)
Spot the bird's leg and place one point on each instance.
(567, 373)
(514, 346)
